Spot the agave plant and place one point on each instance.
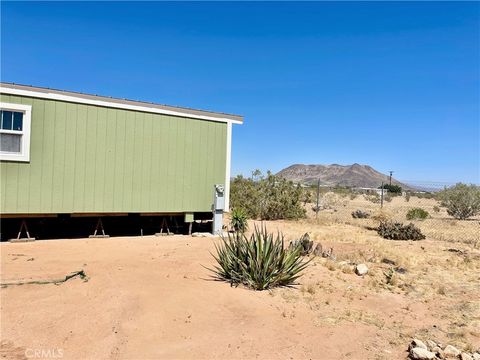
(239, 220)
(260, 262)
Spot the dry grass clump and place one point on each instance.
(308, 289)
(349, 316)
(382, 216)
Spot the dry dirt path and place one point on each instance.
(150, 298)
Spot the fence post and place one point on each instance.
(381, 198)
(318, 198)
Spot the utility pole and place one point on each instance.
(318, 198)
(391, 172)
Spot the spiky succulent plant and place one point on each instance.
(239, 220)
(260, 262)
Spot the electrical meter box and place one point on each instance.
(219, 201)
(217, 208)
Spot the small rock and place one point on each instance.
(417, 344)
(421, 354)
(362, 269)
(318, 250)
(451, 351)
(388, 262)
(465, 356)
(438, 351)
(328, 253)
(304, 243)
(431, 344)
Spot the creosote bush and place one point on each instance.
(397, 231)
(239, 221)
(461, 201)
(417, 214)
(260, 262)
(268, 198)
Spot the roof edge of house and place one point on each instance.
(126, 104)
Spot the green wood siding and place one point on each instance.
(90, 159)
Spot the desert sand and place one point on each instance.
(152, 297)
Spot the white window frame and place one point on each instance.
(24, 154)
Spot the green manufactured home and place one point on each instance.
(71, 154)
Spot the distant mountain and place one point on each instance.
(355, 175)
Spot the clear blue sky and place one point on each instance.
(392, 85)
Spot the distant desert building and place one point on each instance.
(369, 190)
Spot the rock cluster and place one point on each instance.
(307, 247)
(304, 243)
(429, 349)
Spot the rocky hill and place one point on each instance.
(355, 175)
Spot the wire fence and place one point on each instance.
(338, 204)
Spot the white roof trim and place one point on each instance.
(228, 167)
(80, 100)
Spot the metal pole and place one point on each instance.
(381, 198)
(318, 198)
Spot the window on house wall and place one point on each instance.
(15, 132)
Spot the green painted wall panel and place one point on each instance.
(119, 173)
(87, 159)
(69, 158)
(80, 158)
(23, 188)
(36, 155)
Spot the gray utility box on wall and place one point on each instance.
(217, 208)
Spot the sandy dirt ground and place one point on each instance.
(151, 298)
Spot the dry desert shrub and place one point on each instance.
(359, 214)
(268, 197)
(382, 216)
(331, 200)
(461, 201)
(417, 214)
